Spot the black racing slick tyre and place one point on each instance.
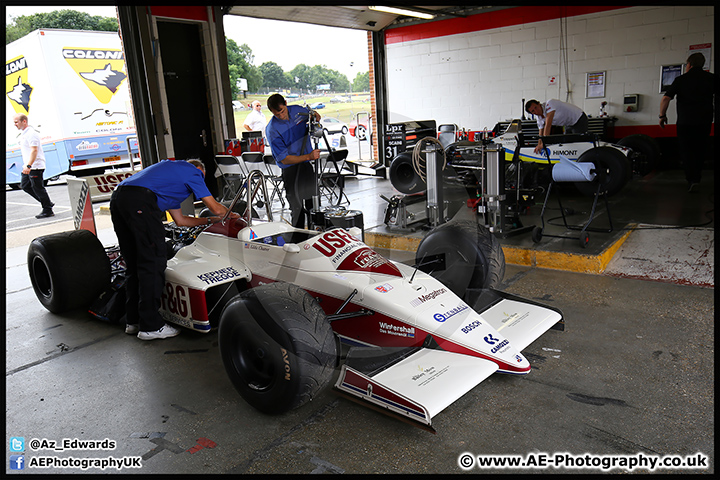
(68, 270)
(613, 171)
(277, 346)
(403, 176)
(645, 155)
(473, 256)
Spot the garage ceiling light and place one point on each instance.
(403, 11)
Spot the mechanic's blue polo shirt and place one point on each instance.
(289, 137)
(171, 181)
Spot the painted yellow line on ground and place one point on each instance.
(381, 240)
(520, 256)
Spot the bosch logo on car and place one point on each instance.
(468, 328)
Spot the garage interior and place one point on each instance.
(632, 374)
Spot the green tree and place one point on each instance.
(274, 78)
(361, 82)
(308, 78)
(67, 19)
(241, 58)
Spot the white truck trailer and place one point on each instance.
(73, 87)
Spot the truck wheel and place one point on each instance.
(645, 155)
(615, 167)
(68, 270)
(277, 346)
(403, 176)
(473, 256)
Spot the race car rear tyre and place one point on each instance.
(403, 176)
(645, 153)
(68, 270)
(613, 169)
(473, 256)
(277, 346)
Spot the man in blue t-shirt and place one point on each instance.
(137, 207)
(291, 147)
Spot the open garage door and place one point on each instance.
(186, 94)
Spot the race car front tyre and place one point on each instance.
(277, 346)
(613, 171)
(473, 256)
(403, 176)
(68, 270)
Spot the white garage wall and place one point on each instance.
(477, 79)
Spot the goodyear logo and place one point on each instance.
(102, 70)
(17, 86)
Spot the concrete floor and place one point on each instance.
(633, 373)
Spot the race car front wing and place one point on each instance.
(417, 384)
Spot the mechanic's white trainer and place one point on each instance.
(132, 329)
(166, 331)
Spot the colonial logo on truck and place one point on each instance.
(17, 88)
(100, 69)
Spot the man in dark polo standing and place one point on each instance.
(695, 90)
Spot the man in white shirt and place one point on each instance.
(555, 112)
(255, 121)
(31, 179)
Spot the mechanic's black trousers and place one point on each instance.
(140, 232)
(33, 185)
(300, 183)
(693, 145)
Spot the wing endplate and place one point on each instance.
(420, 385)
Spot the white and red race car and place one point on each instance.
(283, 301)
